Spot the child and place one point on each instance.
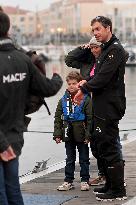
(73, 124)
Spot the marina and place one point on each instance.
(58, 52)
(39, 146)
(52, 31)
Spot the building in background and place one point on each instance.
(23, 24)
(69, 21)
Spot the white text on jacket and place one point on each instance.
(14, 77)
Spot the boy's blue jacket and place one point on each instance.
(71, 112)
(77, 120)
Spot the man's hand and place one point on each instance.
(78, 97)
(82, 82)
(86, 141)
(7, 155)
(84, 46)
(58, 140)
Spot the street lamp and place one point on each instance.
(59, 32)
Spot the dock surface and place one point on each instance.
(48, 184)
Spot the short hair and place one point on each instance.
(74, 75)
(4, 24)
(1, 9)
(105, 21)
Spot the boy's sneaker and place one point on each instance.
(100, 180)
(65, 186)
(84, 186)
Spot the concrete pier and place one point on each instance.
(47, 184)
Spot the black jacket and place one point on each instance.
(82, 59)
(107, 84)
(18, 78)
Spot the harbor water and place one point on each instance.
(39, 144)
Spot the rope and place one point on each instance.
(44, 132)
(39, 131)
(134, 129)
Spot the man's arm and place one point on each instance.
(104, 76)
(58, 122)
(89, 118)
(3, 142)
(43, 86)
(6, 151)
(77, 57)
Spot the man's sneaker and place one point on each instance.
(101, 190)
(84, 186)
(110, 196)
(65, 186)
(100, 180)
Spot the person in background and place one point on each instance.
(18, 78)
(84, 58)
(109, 104)
(34, 102)
(72, 125)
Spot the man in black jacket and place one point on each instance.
(18, 78)
(109, 105)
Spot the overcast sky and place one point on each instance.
(32, 4)
(27, 4)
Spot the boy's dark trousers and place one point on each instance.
(84, 161)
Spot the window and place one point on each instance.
(22, 18)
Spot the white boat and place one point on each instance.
(132, 59)
(132, 55)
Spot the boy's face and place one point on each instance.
(72, 86)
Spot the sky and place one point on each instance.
(33, 5)
(28, 4)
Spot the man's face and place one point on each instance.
(101, 33)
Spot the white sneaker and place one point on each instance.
(65, 186)
(84, 186)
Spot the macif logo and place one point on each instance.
(14, 77)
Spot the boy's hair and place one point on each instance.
(105, 21)
(4, 24)
(74, 75)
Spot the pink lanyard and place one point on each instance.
(92, 70)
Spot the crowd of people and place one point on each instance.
(87, 114)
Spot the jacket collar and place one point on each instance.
(6, 44)
(107, 44)
(5, 41)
